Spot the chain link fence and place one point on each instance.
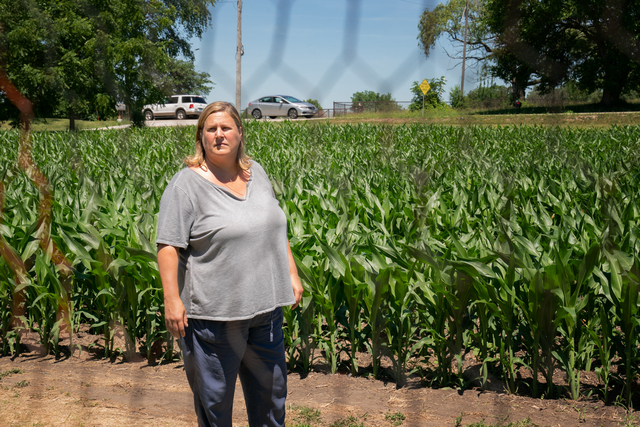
(347, 59)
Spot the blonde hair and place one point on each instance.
(218, 107)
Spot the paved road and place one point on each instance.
(190, 122)
(170, 122)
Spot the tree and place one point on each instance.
(484, 42)
(76, 55)
(456, 99)
(433, 98)
(370, 96)
(181, 77)
(314, 102)
(591, 42)
(448, 20)
(372, 101)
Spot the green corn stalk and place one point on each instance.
(291, 333)
(625, 293)
(355, 286)
(305, 317)
(602, 343)
(501, 301)
(325, 289)
(402, 326)
(375, 303)
(545, 314)
(363, 190)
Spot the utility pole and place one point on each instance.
(239, 53)
(464, 47)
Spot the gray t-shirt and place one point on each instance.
(233, 257)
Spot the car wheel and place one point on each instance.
(256, 114)
(181, 115)
(293, 114)
(148, 115)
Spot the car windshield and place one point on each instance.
(291, 99)
(198, 100)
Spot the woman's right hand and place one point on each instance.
(175, 316)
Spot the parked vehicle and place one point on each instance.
(178, 106)
(281, 105)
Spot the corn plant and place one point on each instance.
(420, 243)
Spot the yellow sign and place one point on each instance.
(424, 86)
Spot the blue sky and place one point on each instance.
(322, 49)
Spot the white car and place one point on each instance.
(178, 106)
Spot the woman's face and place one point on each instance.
(221, 137)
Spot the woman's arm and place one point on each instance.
(175, 316)
(295, 279)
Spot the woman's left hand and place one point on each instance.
(297, 290)
(295, 279)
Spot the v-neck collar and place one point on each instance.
(226, 190)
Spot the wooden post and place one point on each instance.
(239, 51)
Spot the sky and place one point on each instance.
(322, 49)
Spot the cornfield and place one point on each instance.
(425, 245)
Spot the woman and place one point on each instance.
(227, 270)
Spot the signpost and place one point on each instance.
(424, 87)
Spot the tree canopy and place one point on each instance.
(73, 56)
(432, 99)
(370, 96)
(448, 20)
(591, 43)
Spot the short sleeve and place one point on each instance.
(175, 218)
(259, 169)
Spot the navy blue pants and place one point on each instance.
(216, 352)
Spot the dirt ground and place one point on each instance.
(84, 389)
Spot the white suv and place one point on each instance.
(178, 106)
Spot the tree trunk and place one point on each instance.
(617, 68)
(610, 98)
(72, 120)
(517, 88)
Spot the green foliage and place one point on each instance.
(482, 92)
(416, 242)
(396, 418)
(307, 414)
(493, 96)
(563, 41)
(370, 96)
(180, 77)
(314, 102)
(71, 58)
(567, 93)
(350, 421)
(447, 19)
(369, 101)
(433, 98)
(456, 100)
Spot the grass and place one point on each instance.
(501, 423)
(57, 125)
(304, 416)
(350, 421)
(574, 115)
(396, 418)
(10, 372)
(508, 118)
